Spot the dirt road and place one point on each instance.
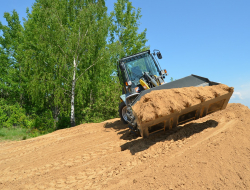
(210, 153)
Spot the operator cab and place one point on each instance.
(141, 66)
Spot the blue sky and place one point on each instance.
(209, 38)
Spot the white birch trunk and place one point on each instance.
(72, 111)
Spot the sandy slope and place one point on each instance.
(210, 153)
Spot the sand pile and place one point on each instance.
(212, 152)
(160, 103)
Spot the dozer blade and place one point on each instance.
(191, 113)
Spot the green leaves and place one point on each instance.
(12, 115)
(37, 60)
(124, 29)
(57, 33)
(11, 56)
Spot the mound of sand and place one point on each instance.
(160, 103)
(212, 152)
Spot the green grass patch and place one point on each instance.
(16, 134)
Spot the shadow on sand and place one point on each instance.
(121, 129)
(138, 144)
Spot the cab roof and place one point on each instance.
(134, 55)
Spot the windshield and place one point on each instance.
(136, 66)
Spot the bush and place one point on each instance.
(44, 121)
(63, 121)
(13, 115)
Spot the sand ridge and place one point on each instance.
(212, 152)
(160, 103)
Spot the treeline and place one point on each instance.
(56, 68)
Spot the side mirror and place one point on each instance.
(159, 55)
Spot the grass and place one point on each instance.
(16, 134)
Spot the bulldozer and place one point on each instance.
(140, 74)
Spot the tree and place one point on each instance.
(60, 62)
(11, 57)
(125, 28)
(65, 40)
(124, 36)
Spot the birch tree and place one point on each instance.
(64, 41)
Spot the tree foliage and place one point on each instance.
(58, 65)
(66, 49)
(11, 46)
(125, 28)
